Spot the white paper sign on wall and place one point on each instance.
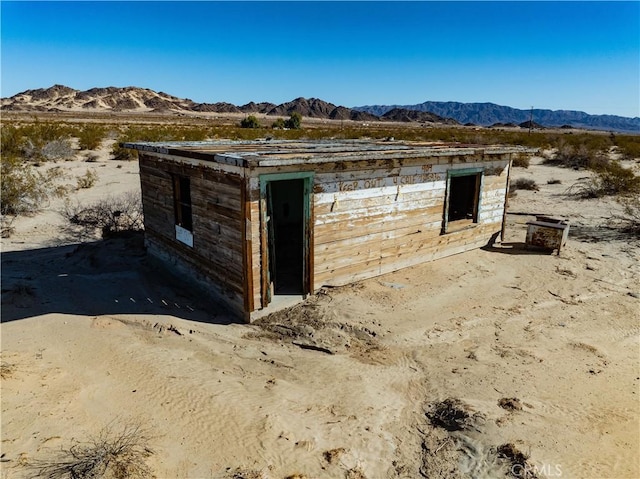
(184, 236)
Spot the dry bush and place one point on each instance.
(521, 160)
(453, 415)
(92, 157)
(24, 190)
(355, 473)
(628, 146)
(111, 215)
(630, 216)
(332, 456)
(612, 180)
(87, 180)
(583, 155)
(60, 149)
(522, 184)
(520, 465)
(112, 454)
(6, 370)
(37, 141)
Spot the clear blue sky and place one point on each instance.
(557, 55)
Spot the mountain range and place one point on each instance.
(135, 99)
(487, 114)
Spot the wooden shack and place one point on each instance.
(254, 221)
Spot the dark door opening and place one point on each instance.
(285, 211)
(463, 198)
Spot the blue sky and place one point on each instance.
(557, 55)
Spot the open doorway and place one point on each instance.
(286, 236)
(285, 217)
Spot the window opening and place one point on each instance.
(463, 199)
(182, 202)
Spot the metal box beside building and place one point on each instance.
(547, 233)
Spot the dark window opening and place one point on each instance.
(182, 202)
(286, 235)
(463, 199)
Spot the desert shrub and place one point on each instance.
(92, 157)
(521, 160)
(294, 121)
(43, 141)
(11, 140)
(278, 124)
(611, 180)
(90, 136)
(87, 180)
(579, 156)
(37, 141)
(615, 179)
(111, 215)
(523, 184)
(628, 145)
(24, 190)
(6, 370)
(60, 149)
(250, 122)
(113, 454)
(630, 216)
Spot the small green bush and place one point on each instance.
(24, 190)
(628, 145)
(90, 136)
(12, 140)
(250, 122)
(294, 122)
(278, 124)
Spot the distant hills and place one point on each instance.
(487, 114)
(134, 99)
(60, 98)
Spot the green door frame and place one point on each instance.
(463, 172)
(307, 228)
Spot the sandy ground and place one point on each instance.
(538, 353)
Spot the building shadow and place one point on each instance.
(516, 248)
(111, 276)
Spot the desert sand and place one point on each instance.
(538, 351)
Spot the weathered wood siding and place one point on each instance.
(372, 221)
(218, 223)
(256, 248)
